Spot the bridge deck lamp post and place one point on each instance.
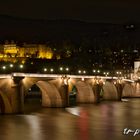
(3, 67)
(45, 69)
(67, 69)
(51, 70)
(79, 71)
(11, 65)
(61, 69)
(84, 72)
(21, 66)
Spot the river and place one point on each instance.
(104, 121)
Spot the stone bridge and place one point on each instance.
(55, 89)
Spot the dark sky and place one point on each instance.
(90, 10)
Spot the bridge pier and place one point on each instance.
(18, 89)
(97, 90)
(65, 95)
(119, 88)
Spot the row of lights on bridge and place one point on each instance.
(52, 70)
(118, 72)
(21, 66)
(79, 71)
(11, 66)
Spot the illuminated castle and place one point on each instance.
(11, 51)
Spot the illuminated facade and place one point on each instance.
(11, 51)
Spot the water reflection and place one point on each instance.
(84, 122)
(74, 110)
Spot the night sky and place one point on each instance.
(89, 10)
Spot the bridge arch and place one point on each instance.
(128, 90)
(85, 93)
(110, 91)
(2, 105)
(6, 102)
(51, 96)
(5, 106)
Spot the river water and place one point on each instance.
(103, 121)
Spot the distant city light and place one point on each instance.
(94, 71)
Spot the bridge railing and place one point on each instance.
(36, 75)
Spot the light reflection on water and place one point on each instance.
(84, 122)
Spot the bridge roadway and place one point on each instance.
(55, 89)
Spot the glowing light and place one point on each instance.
(114, 83)
(82, 79)
(4, 67)
(65, 82)
(94, 71)
(11, 65)
(45, 69)
(67, 69)
(51, 70)
(61, 68)
(79, 71)
(97, 82)
(84, 71)
(98, 71)
(21, 66)
(118, 72)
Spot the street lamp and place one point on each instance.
(4, 67)
(45, 69)
(84, 72)
(79, 71)
(51, 69)
(98, 71)
(61, 68)
(67, 69)
(11, 65)
(21, 66)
